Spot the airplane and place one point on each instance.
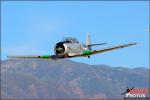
(70, 47)
(128, 90)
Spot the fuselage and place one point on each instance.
(69, 49)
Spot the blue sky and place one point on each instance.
(33, 28)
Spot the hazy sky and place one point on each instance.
(33, 28)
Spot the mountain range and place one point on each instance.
(66, 79)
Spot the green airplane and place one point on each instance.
(71, 47)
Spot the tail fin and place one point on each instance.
(88, 42)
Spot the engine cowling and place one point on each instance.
(63, 48)
(60, 48)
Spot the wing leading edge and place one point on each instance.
(54, 57)
(44, 57)
(112, 48)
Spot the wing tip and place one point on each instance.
(132, 43)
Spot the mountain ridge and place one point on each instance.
(62, 79)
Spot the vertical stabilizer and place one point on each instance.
(88, 42)
(88, 39)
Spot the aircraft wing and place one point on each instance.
(113, 48)
(43, 56)
(88, 53)
(23, 56)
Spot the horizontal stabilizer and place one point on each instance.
(97, 44)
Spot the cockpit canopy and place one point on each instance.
(70, 40)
